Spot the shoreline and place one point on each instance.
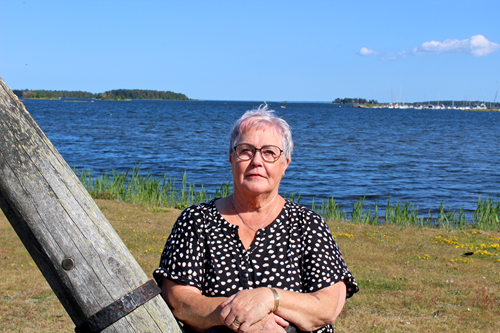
(133, 187)
(353, 106)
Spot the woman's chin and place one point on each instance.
(257, 189)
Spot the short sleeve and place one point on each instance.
(182, 257)
(323, 263)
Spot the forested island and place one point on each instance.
(354, 101)
(116, 95)
(433, 105)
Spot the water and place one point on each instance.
(420, 156)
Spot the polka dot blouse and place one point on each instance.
(295, 252)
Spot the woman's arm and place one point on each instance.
(308, 311)
(311, 311)
(201, 313)
(191, 307)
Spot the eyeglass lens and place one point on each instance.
(268, 153)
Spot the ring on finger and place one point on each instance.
(236, 323)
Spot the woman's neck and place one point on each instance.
(259, 204)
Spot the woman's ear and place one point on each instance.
(286, 163)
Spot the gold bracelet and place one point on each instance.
(276, 299)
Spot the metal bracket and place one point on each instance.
(119, 309)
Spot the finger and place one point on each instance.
(236, 326)
(280, 321)
(229, 313)
(229, 300)
(267, 325)
(244, 327)
(224, 313)
(229, 320)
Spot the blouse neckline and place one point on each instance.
(259, 233)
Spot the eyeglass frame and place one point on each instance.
(255, 152)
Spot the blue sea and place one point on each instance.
(424, 157)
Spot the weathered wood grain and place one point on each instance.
(56, 218)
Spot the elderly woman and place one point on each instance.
(253, 261)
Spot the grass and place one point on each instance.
(486, 215)
(417, 279)
(27, 303)
(412, 279)
(163, 191)
(417, 272)
(131, 186)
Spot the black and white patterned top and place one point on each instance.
(295, 252)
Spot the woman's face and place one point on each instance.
(256, 176)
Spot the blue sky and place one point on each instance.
(256, 50)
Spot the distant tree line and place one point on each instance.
(354, 101)
(142, 94)
(119, 94)
(52, 94)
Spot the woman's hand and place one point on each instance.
(247, 307)
(269, 324)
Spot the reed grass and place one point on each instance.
(330, 210)
(146, 189)
(360, 215)
(132, 187)
(403, 214)
(486, 216)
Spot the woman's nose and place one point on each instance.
(257, 157)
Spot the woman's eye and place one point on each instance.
(247, 151)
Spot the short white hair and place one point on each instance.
(263, 118)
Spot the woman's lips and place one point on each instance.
(255, 175)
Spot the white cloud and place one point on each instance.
(366, 52)
(477, 46)
(399, 56)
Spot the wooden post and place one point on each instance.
(83, 259)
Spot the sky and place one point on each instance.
(390, 51)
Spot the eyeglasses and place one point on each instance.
(269, 153)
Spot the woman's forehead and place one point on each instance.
(263, 136)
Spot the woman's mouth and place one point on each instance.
(255, 175)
